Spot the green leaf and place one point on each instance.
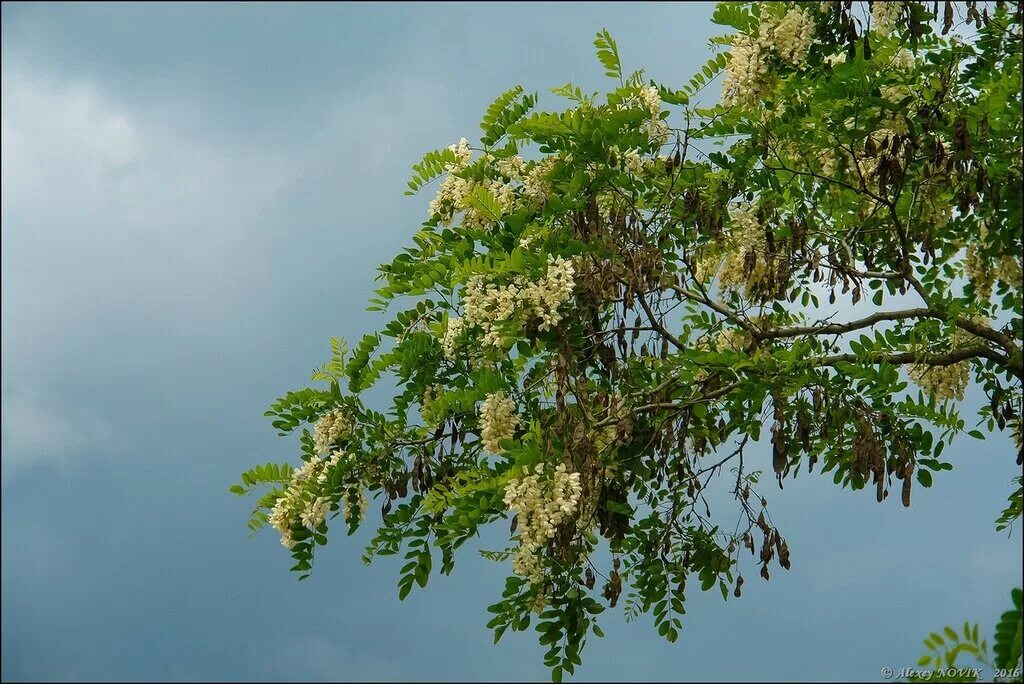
(608, 54)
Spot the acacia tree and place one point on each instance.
(608, 304)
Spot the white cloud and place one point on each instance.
(37, 427)
(120, 233)
(131, 229)
(104, 210)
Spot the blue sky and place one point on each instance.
(195, 198)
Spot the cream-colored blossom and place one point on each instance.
(791, 36)
(949, 381)
(332, 426)
(362, 508)
(498, 421)
(512, 168)
(537, 181)
(451, 335)
(884, 16)
(548, 294)
(835, 59)
(542, 500)
(487, 305)
(942, 382)
(462, 155)
(744, 261)
(746, 73)
(316, 511)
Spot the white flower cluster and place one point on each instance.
(746, 240)
(833, 60)
(462, 154)
(498, 421)
(732, 339)
(303, 500)
(941, 382)
(316, 512)
(538, 603)
(332, 426)
(548, 294)
(617, 411)
(631, 160)
(512, 168)
(884, 16)
(656, 129)
(453, 197)
(1010, 270)
(451, 335)
(935, 211)
(947, 382)
(527, 241)
(904, 60)
(746, 74)
(454, 192)
(536, 182)
(983, 272)
(541, 504)
(363, 506)
(487, 305)
(652, 100)
(791, 35)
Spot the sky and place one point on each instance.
(194, 200)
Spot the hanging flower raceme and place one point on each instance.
(455, 192)
(333, 426)
(884, 16)
(951, 380)
(487, 305)
(789, 36)
(541, 500)
(747, 75)
(451, 336)
(305, 500)
(498, 421)
(745, 263)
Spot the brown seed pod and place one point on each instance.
(784, 556)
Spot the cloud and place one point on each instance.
(38, 428)
(123, 237)
(105, 209)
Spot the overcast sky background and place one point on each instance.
(195, 198)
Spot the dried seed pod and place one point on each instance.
(767, 553)
(784, 556)
(906, 485)
(739, 586)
